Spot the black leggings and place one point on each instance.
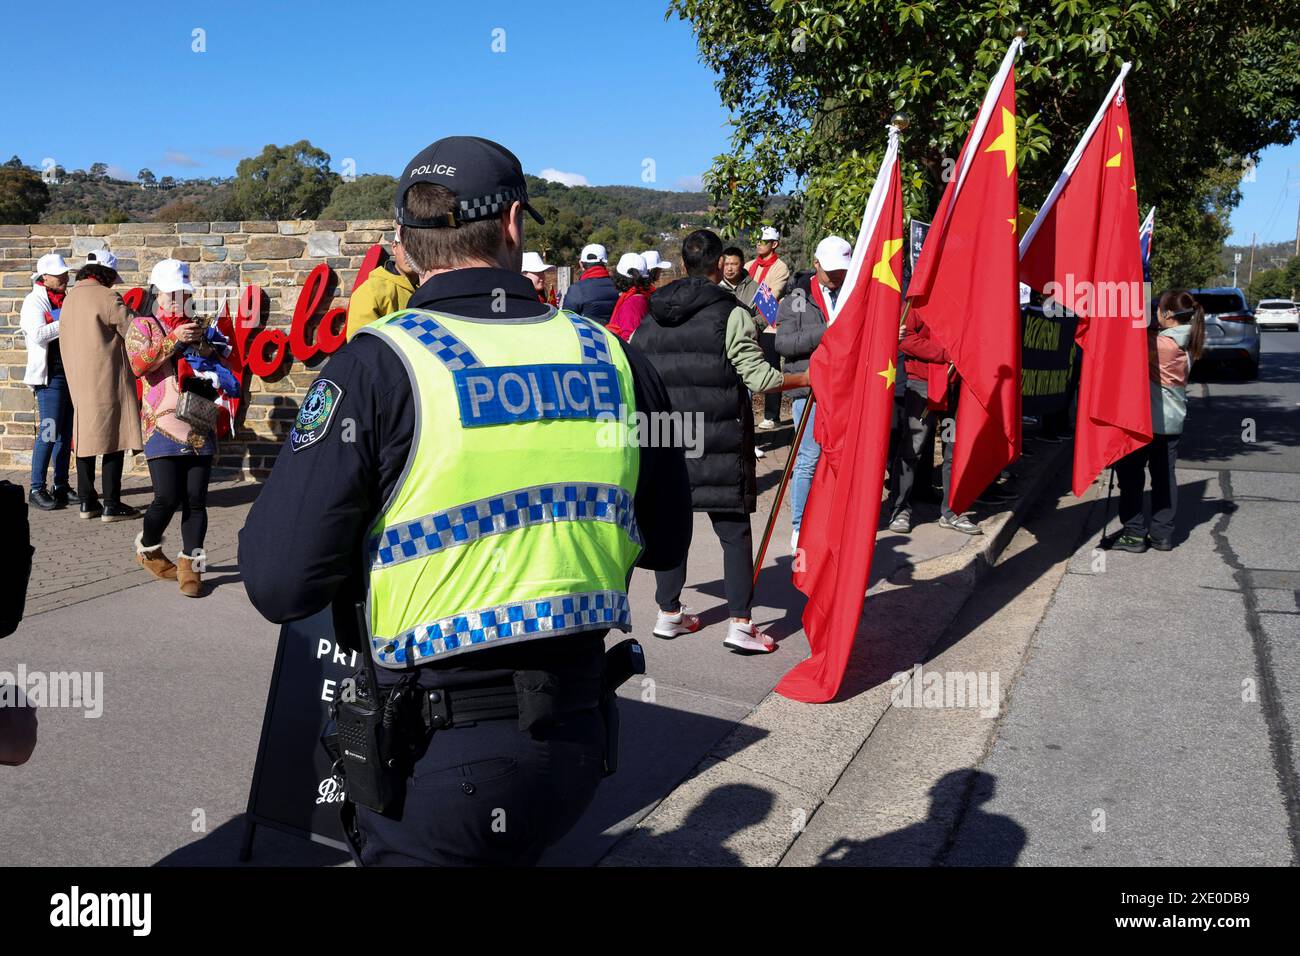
(737, 540)
(111, 470)
(179, 480)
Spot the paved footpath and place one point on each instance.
(163, 775)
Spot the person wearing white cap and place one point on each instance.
(801, 320)
(535, 269)
(39, 321)
(174, 354)
(656, 266)
(768, 267)
(632, 280)
(106, 412)
(705, 347)
(593, 295)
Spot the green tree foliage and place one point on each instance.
(812, 83)
(23, 196)
(99, 170)
(366, 197)
(146, 176)
(181, 210)
(284, 182)
(621, 218)
(1283, 283)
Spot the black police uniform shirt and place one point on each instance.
(302, 547)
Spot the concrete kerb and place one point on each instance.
(713, 816)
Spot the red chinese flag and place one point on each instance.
(965, 289)
(852, 373)
(1083, 250)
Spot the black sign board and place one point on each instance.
(293, 789)
(1047, 353)
(916, 233)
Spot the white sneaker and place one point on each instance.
(794, 540)
(767, 424)
(672, 625)
(746, 637)
(758, 452)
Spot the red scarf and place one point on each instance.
(169, 324)
(635, 290)
(819, 298)
(595, 272)
(764, 264)
(56, 299)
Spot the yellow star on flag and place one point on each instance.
(882, 270)
(889, 374)
(1116, 159)
(1006, 141)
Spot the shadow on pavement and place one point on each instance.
(989, 839)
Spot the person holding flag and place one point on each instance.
(965, 293)
(803, 318)
(1083, 251)
(852, 373)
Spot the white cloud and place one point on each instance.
(690, 184)
(568, 179)
(119, 172)
(173, 158)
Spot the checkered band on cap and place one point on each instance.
(541, 504)
(484, 207)
(565, 613)
(430, 333)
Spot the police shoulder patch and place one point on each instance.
(315, 414)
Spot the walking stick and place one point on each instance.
(780, 489)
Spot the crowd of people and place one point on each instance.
(86, 350)
(478, 570)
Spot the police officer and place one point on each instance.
(466, 468)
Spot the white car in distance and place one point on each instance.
(1277, 314)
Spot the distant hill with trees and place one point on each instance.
(295, 181)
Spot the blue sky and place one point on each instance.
(586, 90)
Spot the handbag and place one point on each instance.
(197, 412)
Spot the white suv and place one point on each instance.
(1278, 314)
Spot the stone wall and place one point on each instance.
(224, 256)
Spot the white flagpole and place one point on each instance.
(1149, 222)
(871, 215)
(1073, 163)
(986, 108)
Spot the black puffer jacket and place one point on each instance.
(685, 337)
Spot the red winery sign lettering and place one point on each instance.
(262, 350)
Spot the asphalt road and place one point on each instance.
(1154, 721)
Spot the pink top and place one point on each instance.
(151, 350)
(628, 315)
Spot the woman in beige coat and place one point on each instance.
(106, 420)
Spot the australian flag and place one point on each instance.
(1144, 240)
(765, 302)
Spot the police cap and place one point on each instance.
(484, 176)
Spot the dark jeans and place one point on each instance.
(112, 472)
(1159, 458)
(920, 424)
(771, 400)
(178, 480)
(53, 432)
(737, 540)
(490, 794)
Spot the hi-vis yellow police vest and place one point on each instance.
(513, 519)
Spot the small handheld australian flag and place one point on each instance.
(765, 302)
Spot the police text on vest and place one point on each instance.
(526, 393)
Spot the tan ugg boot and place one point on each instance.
(153, 560)
(190, 580)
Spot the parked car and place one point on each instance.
(1231, 335)
(1277, 314)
